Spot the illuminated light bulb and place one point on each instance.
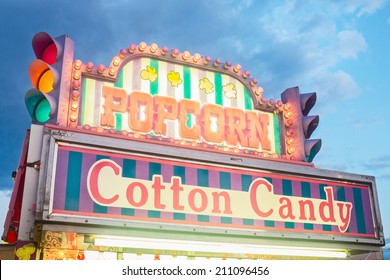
(236, 150)
(290, 150)
(194, 144)
(237, 68)
(288, 114)
(101, 68)
(259, 91)
(290, 132)
(183, 142)
(164, 50)
(287, 106)
(90, 66)
(290, 141)
(74, 105)
(246, 74)
(142, 46)
(100, 129)
(275, 156)
(289, 122)
(77, 64)
(76, 84)
(132, 48)
(137, 135)
(153, 48)
(122, 53)
(175, 53)
(196, 57)
(227, 64)
(116, 61)
(217, 62)
(124, 133)
(75, 95)
(186, 55)
(111, 71)
(73, 116)
(253, 82)
(76, 75)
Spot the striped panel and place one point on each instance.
(71, 194)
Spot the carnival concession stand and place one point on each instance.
(170, 155)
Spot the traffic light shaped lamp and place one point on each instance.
(50, 76)
(303, 125)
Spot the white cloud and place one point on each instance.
(337, 85)
(350, 43)
(363, 7)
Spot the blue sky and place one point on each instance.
(338, 49)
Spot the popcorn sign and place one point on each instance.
(182, 103)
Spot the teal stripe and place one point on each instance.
(203, 181)
(179, 216)
(203, 218)
(323, 196)
(248, 222)
(154, 169)
(225, 181)
(218, 89)
(248, 99)
(203, 177)
(305, 187)
(96, 207)
(119, 83)
(72, 194)
(268, 223)
(154, 85)
(340, 192)
(226, 220)
(128, 171)
(246, 181)
(180, 171)
(357, 197)
(187, 91)
(287, 187)
(287, 190)
(187, 82)
(278, 146)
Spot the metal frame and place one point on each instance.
(53, 136)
